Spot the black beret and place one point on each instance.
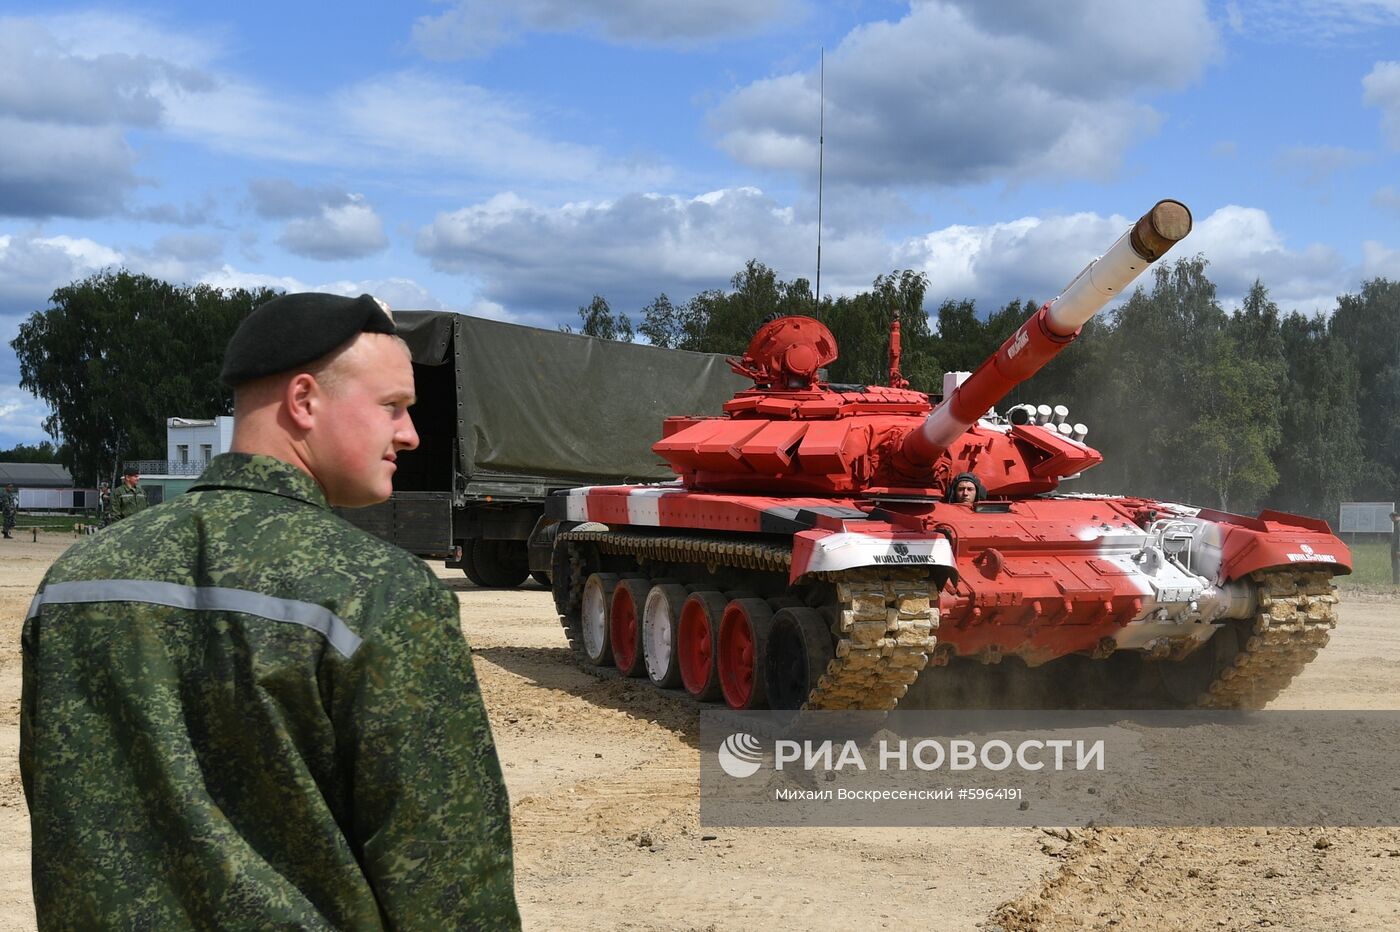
(295, 329)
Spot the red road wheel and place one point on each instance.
(659, 620)
(697, 637)
(743, 640)
(799, 649)
(593, 612)
(625, 625)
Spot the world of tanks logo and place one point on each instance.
(740, 755)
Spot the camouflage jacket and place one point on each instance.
(9, 503)
(127, 502)
(238, 711)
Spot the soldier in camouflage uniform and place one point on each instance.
(9, 508)
(238, 710)
(128, 498)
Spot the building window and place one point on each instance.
(182, 450)
(206, 452)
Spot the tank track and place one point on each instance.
(884, 627)
(1297, 609)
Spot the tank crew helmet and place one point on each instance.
(979, 491)
(295, 329)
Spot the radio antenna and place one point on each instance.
(821, 152)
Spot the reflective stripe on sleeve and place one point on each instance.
(203, 599)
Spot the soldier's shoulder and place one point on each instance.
(372, 557)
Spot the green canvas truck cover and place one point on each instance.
(546, 403)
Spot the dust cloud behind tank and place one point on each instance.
(808, 554)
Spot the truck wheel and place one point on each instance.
(501, 564)
(469, 565)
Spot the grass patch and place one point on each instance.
(1370, 562)
(53, 522)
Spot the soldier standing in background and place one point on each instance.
(128, 498)
(240, 711)
(9, 508)
(104, 503)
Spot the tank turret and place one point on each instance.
(793, 432)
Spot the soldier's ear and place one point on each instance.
(301, 398)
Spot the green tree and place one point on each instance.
(1368, 326)
(724, 322)
(41, 452)
(598, 320)
(663, 324)
(1320, 459)
(861, 324)
(1234, 429)
(115, 354)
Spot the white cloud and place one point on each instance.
(475, 27)
(1387, 198)
(1034, 258)
(349, 231)
(959, 91)
(1378, 261)
(552, 259)
(1243, 245)
(33, 265)
(1381, 89)
(1317, 22)
(21, 417)
(401, 294)
(64, 114)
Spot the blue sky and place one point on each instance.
(514, 159)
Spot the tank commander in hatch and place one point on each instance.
(965, 489)
(239, 711)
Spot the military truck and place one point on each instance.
(508, 414)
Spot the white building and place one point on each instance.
(190, 444)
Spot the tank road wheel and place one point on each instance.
(597, 599)
(499, 564)
(697, 638)
(625, 625)
(659, 619)
(1186, 680)
(799, 649)
(743, 640)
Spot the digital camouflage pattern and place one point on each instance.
(9, 509)
(127, 501)
(208, 767)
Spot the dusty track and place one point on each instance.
(602, 775)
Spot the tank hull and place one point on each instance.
(907, 583)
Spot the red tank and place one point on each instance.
(812, 553)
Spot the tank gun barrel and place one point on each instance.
(1053, 327)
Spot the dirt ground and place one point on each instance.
(603, 774)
